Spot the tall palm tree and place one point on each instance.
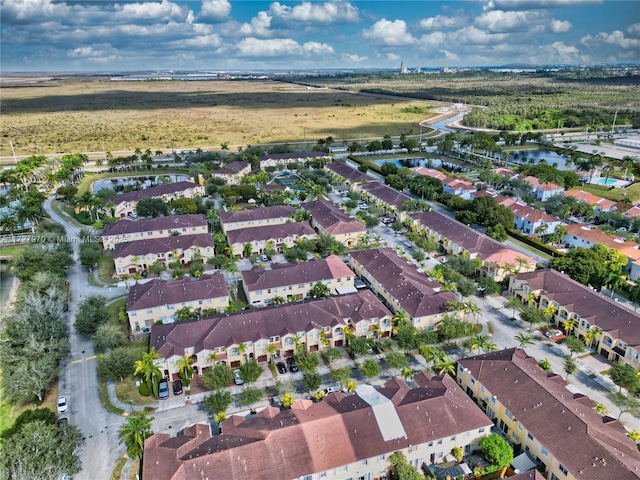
(615, 278)
(185, 368)
(523, 339)
(478, 342)
(272, 351)
(470, 308)
(532, 297)
(399, 318)
(134, 432)
(591, 335)
(569, 325)
(549, 312)
(445, 365)
(148, 369)
(634, 295)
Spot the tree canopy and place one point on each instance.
(496, 450)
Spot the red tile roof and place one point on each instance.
(413, 290)
(333, 220)
(173, 222)
(158, 292)
(162, 245)
(295, 273)
(597, 236)
(292, 443)
(218, 331)
(555, 417)
(261, 213)
(153, 192)
(269, 232)
(599, 310)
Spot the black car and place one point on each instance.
(291, 363)
(65, 307)
(177, 387)
(281, 367)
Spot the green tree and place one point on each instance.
(185, 368)
(117, 365)
(247, 249)
(134, 432)
(625, 403)
(401, 469)
(250, 371)
(357, 346)
(307, 361)
(319, 290)
(108, 336)
(395, 361)
(496, 450)
(92, 313)
(250, 396)
(531, 315)
(369, 368)
(157, 268)
(40, 449)
(311, 380)
(217, 377)
(152, 207)
(574, 345)
(218, 401)
(624, 376)
(149, 371)
(331, 354)
(341, 375)
(514, 303)
(444, 365)
(523, 339)
(570, 366)
(498, 232)
(90, 253)
(545, 365)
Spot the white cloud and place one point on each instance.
(432, 40)
(260, 26)
(473, 35)
(215, 10)
(307, 12)
(352, 57)
(500, 21)
(279, 47)
(558, 26)
(150, 12)
(450, 55)
(439, 22)
(203, 41)
(615, 38)
(534, 4)
(385, 32)
(634, 30)
(393, 57)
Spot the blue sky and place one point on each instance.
(54, 35)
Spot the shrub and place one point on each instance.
(144, 389)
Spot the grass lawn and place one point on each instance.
(628, 195)
(106, 268)
(9, 412)
(73, 116)
(127, 390)
(12, 249)
(531, 249)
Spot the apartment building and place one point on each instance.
(127, 230)
(343, 437)
(598, 203)
(233, 172)
(457, 238)
(274, 159)
(618, 328)
(385, 197)
(125, 203)
(269, 237)
(312, 325)
(559, 429)
(402, 286)
(293, 282)
(530, 221)
(329, 219)
(135, 257)
(346, 174)
(158, 300)
(255, 217)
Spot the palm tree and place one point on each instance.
(149, 370)
(478, 342)
(213, 357)
(445, 365)
(134, 432)
(615, 278)
(532, 297)
(272, 351)
(569, 325)
(524, 339)
(399, 318)
(591, 335)
(634, 295)
(278, 300)
(185, 368)
(85, 201)
(473, 309)
(242, 349)
(608, 171)
(549, 312)
(407, 373)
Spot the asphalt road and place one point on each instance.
(79, 378)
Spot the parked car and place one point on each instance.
(63, 406)
(281, 367)
(65, 307)
(291, 363)
(264, 258)
(177, 387)
(163, 389)
(237, 378)
(332, 389)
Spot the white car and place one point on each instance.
(237, 378)
(63, 406)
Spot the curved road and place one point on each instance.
(79, 377)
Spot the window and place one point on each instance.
(149, 310)
(258, 292)
(133, 314)
(530, 436)
(341, 469)
(384, 457)
(440, 442)
(481, 430)
(508, 414)
(365, 462)
(274, 339)
(545, 451)
(430, 444)
(171, 307)
(562, 468)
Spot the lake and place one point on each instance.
(551, 157)
(118, 184)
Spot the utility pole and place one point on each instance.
(14, 152)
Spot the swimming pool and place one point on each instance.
(607, 181)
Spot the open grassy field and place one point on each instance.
(72, 115)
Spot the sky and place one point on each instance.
(101, 35)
